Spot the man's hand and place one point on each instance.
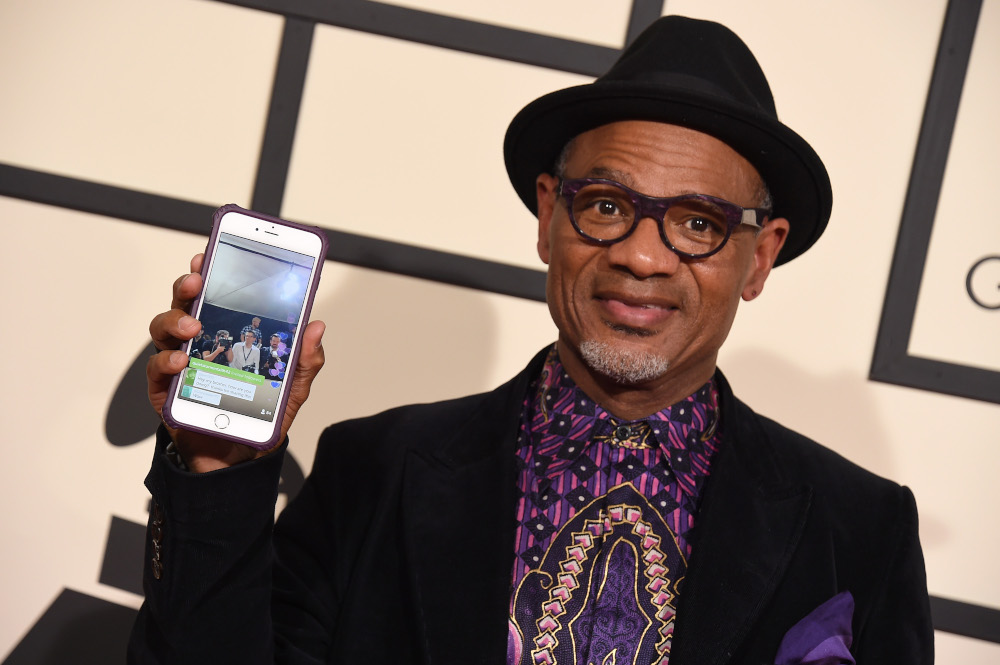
(170, 330)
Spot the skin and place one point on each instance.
(637, 294)
(172, 328)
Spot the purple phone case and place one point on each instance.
(293, 359)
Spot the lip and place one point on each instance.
(634, 311)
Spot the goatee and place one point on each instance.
(622, 364)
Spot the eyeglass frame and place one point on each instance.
(656, 208)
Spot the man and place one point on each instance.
(219, 350)
(254, 327)
(273, 358)
(245, 355)
(614, 502)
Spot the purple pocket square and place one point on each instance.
(823, 637)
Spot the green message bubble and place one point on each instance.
(225, 370)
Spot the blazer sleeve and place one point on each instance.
(897, 627)
(207, 572)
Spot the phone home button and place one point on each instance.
(222, 421)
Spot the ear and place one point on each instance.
(545, 191)
(769, 242)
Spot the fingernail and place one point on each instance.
(322, 331)
(186, 322)
(176, 356)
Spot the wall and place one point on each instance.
(167, 105)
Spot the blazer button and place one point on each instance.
(156, 536)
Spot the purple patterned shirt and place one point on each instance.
(605, 514)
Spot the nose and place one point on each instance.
(643, 253)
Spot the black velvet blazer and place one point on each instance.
(399, 548)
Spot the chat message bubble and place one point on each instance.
(224, 385)
(203, 396)
(226, 370)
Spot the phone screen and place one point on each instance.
(250, 316)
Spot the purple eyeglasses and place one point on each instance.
(691, 225)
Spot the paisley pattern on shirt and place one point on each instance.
(605, 512)
(607, 583)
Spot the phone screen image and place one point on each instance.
(250, 316)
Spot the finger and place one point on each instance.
(163, 365)
(186, 289)
(310, 362)
(197, 261)
(160, 369)
(312, 356)
(169, 330)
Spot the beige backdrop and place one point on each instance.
(170, 97)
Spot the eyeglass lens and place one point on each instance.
(692, 225)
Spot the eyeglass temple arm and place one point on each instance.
(751, 215)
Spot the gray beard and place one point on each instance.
(623, 365)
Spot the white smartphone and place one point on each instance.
(260, 276)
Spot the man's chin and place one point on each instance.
(623, 363)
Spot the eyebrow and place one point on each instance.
(611, 174)
(624, 178)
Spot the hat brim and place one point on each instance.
(794, 173)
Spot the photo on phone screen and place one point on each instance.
(250, 317)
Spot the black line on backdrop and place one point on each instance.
(643, 13)
(106, 200)
(283, 115)
(449, 32)
(960, 618)
(435, 265)
(76, 628)
(891, 362)
(350, 248)
(123, 555)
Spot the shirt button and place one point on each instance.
(622, 433)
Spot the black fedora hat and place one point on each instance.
(693, 73)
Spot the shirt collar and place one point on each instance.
(686, 432)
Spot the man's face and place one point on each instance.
(249, 339)
(275, 340)
(255, 323)
(634, 315)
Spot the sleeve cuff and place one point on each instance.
(201, 497)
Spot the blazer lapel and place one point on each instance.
(458, 521)
(748, 527)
